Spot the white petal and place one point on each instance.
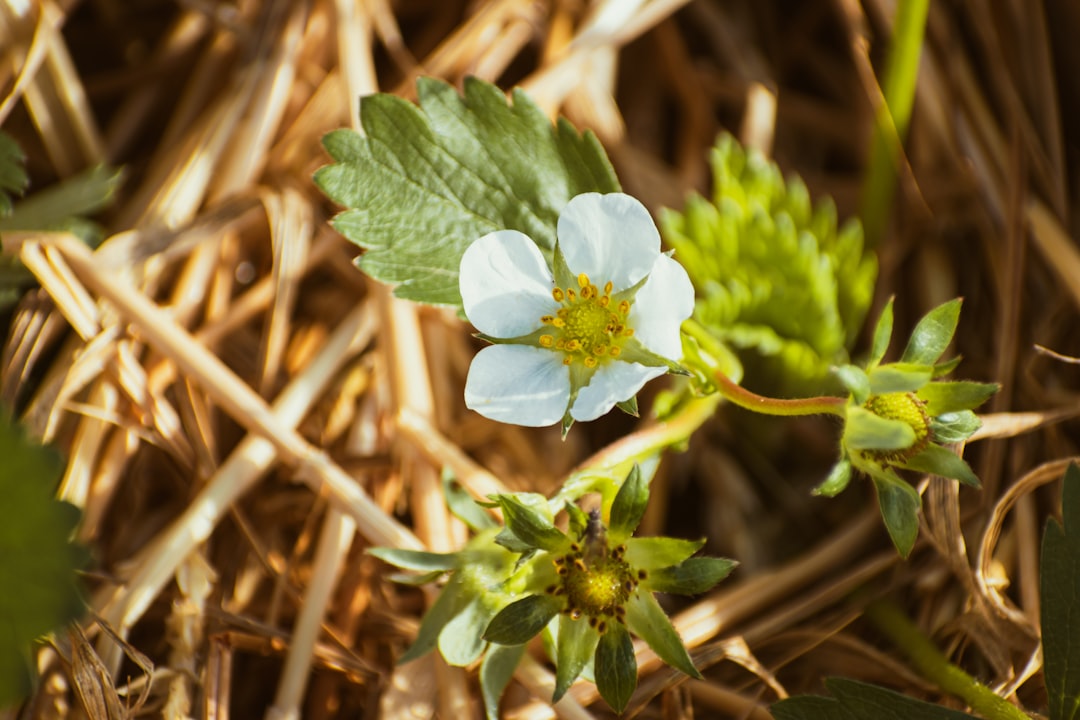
(660, 306)
(612, 383)
(518, 384)
(505, 284)
(608, 237)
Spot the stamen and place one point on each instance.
(586, 292)
(615, 351)
(583, 280)
(605, 300)
(597, 349)
(558, 322)
(547, 319)
(590, 362)
(607, 287)
(571, 294)
(624, 307)
(546, 341)
(557, 293)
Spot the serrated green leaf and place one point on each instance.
(932, 334)
(574, 648)
(530, 525)
(898, 377)
(648, 621)
(691, 577)
(616, 667)
(899, 504)
(463, 505)
(863, 430)
(446, 606)
(497, 668)
(954, 427)
(853, 700)
(648, 553)
(61, 206)
(837, 479)
(521, 620)
(882, 336)
(947, 397)
(1059, 607)
(418, 560)
(936, 460)
(855, 381)
(424, 182)
(38, 561)
(13, 177)
(629, 506)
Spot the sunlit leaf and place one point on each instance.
(520, 621)
(691, 577)
(947, 397)
(899, 504)
(629, 505)
(936, 460)
(882, 335)
(647, 620)
(932, 334)
(656, 552)
(616, 667)
(864, 430)
(418, 560)
(574, 649)
(954, 427)
(531, 526)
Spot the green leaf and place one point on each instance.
(647, 620)
(933, 334)
(899, 504)
(837, 479)
(954, 427)
(530, 525)
(629, 505)
(461, 640)
(855, 700)
(936, 460)
(13, 178)
(424, 182)
(512, 542)
(496, 670)
(616, 667)
(61, 206)
(520, 621)
(418, 560)
(1059, 589)
(864, 430)
(882, 336)
(648, 553)
(446, 606)
(578, 520)
(38, 561)
(463, 505)
(946, 397)
(898, 377)
(691, 577)
(574, 648)
(855, 381)
(630, 407)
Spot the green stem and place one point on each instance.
(894, 115)
(738, 395)
(934, 666)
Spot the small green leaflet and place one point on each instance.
(37, 558)
(13, 178)
(854, 700)
(422, 183)
(1059, 590)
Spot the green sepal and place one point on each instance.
(496, 670)
(855, 381)
(634, 352)
(461, 641)
(564, 278)
(863, 430)
(899, 504)
(446, 606)
(521, 620)
(616, 667)
(629, 407)
(946, 397)
(578, 520)
(936, 460)
(531, 522)
(942, 369)
(418, 560)
(898, 377)
(575, 646)
(954, 427)
(463, 505)
(691, 577)
(836, 481)
(416, 580)
(648, 621)
(882, 335)
(932, 334)
(629, 505)
(1059, 607)
(512, 542)
(648, 553)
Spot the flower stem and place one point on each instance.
(744, 398)
(933, 665)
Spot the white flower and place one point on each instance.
(573, 342)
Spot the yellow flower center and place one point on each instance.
(597, 582)
(588, 327)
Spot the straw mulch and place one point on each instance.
(244, 413)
